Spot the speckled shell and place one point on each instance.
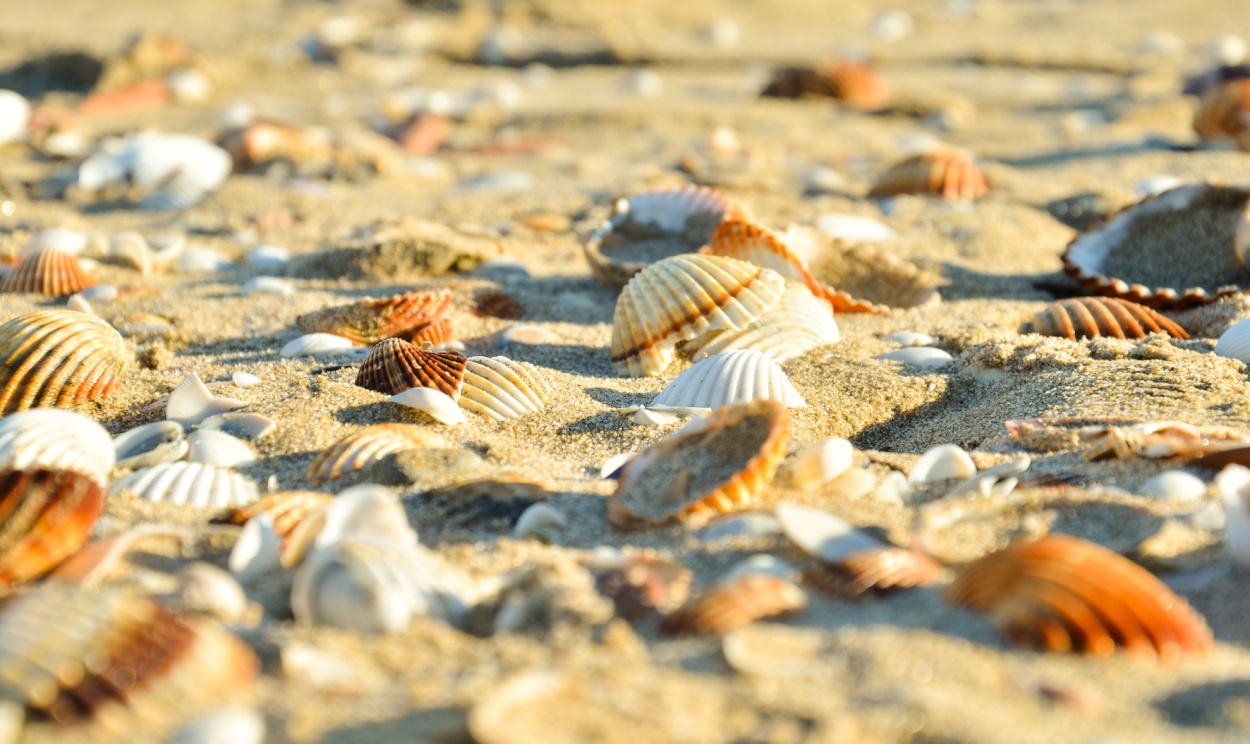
(856, 84)
(53, 439)
(798, 323)
(945, 171)
(1091, 317)
(760, 428)
(190, 483)
(58, 358)
(680, 299)
(45, 517)
(396, 365)
(726, 379)
(1224, 111)
(288, 509)
(48, 272)
(361, 448)
(73, 654)
(503, 389)
(738, 602)
(1064, 594)
(406, 315)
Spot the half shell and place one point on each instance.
(191, 483)
(798, 323)
(58, 358)
(1092, 317)
(366, 446)
(740, 601)
(874, 276)
(51, 439)
(945, 171)
(1224, 111)
(503, 389)
(395, 365)
(48, 272)
(405, 315)
(45, 517)
(729, 378)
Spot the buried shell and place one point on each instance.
(395, 365)
(411, 314)
(856, 84)
(52, 439)
(738, 601)
(729, 378)
(681, 298)
(1224, 111)
(366, 446)
(58, 358)
(45, 517)
(48, 272)
(1064, 594)
(190, 483)
(503, 389)
(1092, 317)
(945, 171)
(798, 323)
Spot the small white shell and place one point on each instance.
(268, 285)
(150, 444)
(268, 258)
(233, 725)
(192, 402)
(798, 323)
(205, 588)
(910, 338)
(201, 261)
(131, 249)
(944, 462)
(436, 403)
(649, 417)
(55, 439)
(218, 448)
(366, 512)
(750, 524)
(999, 480)
(257, 551)
(78, 304)
(245, 379)
(502, 389)
(175, 171)
(1175, 484)
(1235, 343)
(854, 229)
(248, 426)
(14, 114)
(312, 344)
(541, 521)
(819, 463)
(821, 534)
(727, 379)
(1233, 483)
(918, 356)
(190, 483)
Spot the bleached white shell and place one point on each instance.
(176, 171)
(228, 726)
(749, 524)
(192, 402)
(150, 444)
(312, 344)
(268, 285)
(501, 388)
(131, 249)
(247, 426)
(78, 304)
(729, 378)
(650, 417)
(910, 338)
(60, 239)
(918, 356)
(268, 257)
(668, 209)
(218, 448)
(14, 113)
(798, 323)
(819, 463)
(206, 589)
(366, 512)
(190, 483)
(1235, 343)
(944, 462)
(821, 534)
(1175, 484)
(55, 439)
(245, 379)
(540, 520)
(436, 403)
(1233, 483)
(854, 229)
(201, 261)
(257, 551)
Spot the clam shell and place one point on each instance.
(727, 379)
(1235, 342)
(58, 358)
(681, 298)
(503, 389)
(1224, 111)
(45, 517)
(369, 321)
(1064, 594)
(171, 171)
(945, 171)
(191, 483)
(1092, 317)
(748, 597)
(798, 323)
(48, 272)
(51, 439)
(395, 365)
(639, 582)
(855, 84)
(366, 446)
(715, 464)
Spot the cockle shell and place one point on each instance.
(191, 483)
(945, 171)
(58, 358)
(798, 323)
(502, 389)
(742, 600)
(1092, 317)
(48, 272)
(1235, 342)
(287, 510)
(395, 365)
(150, 444)
(1064, 594)
(368, 445)
(45, 517)
(171, 171)
(52, 439)
(408, 315)
(715, 464)
(1224, 111)
(726, 379)
(680, 299)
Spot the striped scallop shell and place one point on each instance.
(798, 323)
(52, 439)
(1092, 317)
(73, 654)
(1225, 112)
(726, 379)
(503, 389)
(45, 517)
(681, 298)
(366, 446)
(396, 365)
(48, 272)
(715, 464)
(1064, 594)
(945, 171)
(740, 601)
(190, 483)
(370, 321)
(58, 358)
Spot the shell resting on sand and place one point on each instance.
(370, 444)
(58, 358)
(1092, 317)
(395, 365)
(370, 321)
(945, 171)
(47, 517)
(48, 272)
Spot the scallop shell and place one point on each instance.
(798, 323)
(1064, 594)
(47, 516)
(366, 446)
(1092, 317)
(48, 272)
(395, 365)
(51, 439)
(639, 582)
(1225, 112)
(945, 171)
(1186, 236)
(680, 299)
(856, 84)
(729, 378)
(58, 358)
(873, 276)
(191, 483)
(741, 601)
(715, 464)
(503, 389)
(369, 321)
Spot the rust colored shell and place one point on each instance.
(496, 305)
(1065, 594)
(948, 172)
(45, 517)
(883, 568)
(288, 509)
(1225, 112)
(366, 446)
(264, 141)
(48, 272)
(58, 358)
(742, 601)
(639, 583)
(395, 365)
(1092, 317)
(856, 84)
(714, 465)
(419, 315)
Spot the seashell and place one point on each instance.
(191, 483)
(245, 379)
(1156, 184)
(1169, 251)
(1235, 342)
(1175, 484)
(818, 463)
(748, 597)
(1224, 111)
(271, 258)
(170, 171)
(202, 261)
(395, 365)
(246, 426)
(51, 439)
(855, 84)
(366, 446)
(681, 298)
(192, 402)
(1092, 317)
(315, 344)
(714, 464)
(761, 563)
(207, 590)
(1064, 594)
(867, 278)
(798, 323)
(150, 444)
(945, 171)
(854, 229)
(48, 272)
(287, 510)
(234, 725)
(911, 338)
(257, 551)
(267, 285)
(131, 249)
(73, 242)
(746, 524)
(612, 466)
(727, 379)
(418, 316)
(773, 651)
(526, 334)
(496, 305)
(501, 389)
(14, 115)
(1233, 484)
(485, 502)
(918, 356)
(639, 582)
(944, 462)
(75, 653)
(58, 358)
(541, 522)
(218, 448)
(999, 480)
(436, 403)
(47, 517)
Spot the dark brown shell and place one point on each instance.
(395, 365)
(856, 84)
(422, 316)
(1065, 594)
(948, 172)
(496, 305)
(1225, 112)
(1092, 317)
(45, 517)
(739, 602)
(48, 272)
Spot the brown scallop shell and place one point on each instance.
(418, 316)
(366, 446)
(639, 582)
(715, 464)
(1225, 112)
(1065, 594)
(287, 508)
(58, 358)
(48, 272)
(395, 365)
(856, 84)
(883, 568)
(739, 602)
(1092, 317)
(948, 172)
(496, 305)
(45, 517)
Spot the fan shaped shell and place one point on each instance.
(741, 601)
(503, 389)
(370, 321)
(288, 510)
(52, 439)
(58, 358)
(948, 172)
(368, 445)
(190, 483)
(45, 517)
(395, 365)
(1224, 111)
(48, 272)
(729, 378)
(798, 323)
(1092, 317)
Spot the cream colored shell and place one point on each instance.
(798, 323)
(190, 483)
(503, 389)
(368, 445)
(52, 439)
(729, 378)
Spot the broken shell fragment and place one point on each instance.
(944, 462)
(47, 515)
(436, 403)
(361, 448)
(52, 439)
(48, 272)
(404, 315)
(541, 522)
(818, 463)
(218, 448)
(190, 483)
(192, 402)
(1093, 317)
(150, 444)
(945, 171)
(58, 358)
(727, 379)
(395, 365)
(246, 426)
(503, 389)
(168, 171)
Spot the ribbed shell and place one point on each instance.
(48, 272)
(681, 298)
(729, 378)
(715, 464)
(798, 323)
(503, 389)
(1064, 594)
(362, 448)
(738, 602)
(190, 483)
(1225, 112)
(58, 358)
(856, 84)
(886, 567)
(395, 365)
(1091, 317)
(370, 321)
(288, 509)
(45, 517)
(948, 172)
(52, 439)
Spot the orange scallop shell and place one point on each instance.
(366, 446)
(1092, 317)
(714, 465)
(395, 365)
(856, 84)
(948, 172)
(288, 509)
(48, 272)
(45, 517)
(739, 602)
(419, 315)
(58, 358)
(887, 567)
(1065, 594)
(1225, 112)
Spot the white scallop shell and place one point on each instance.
(798, 323)
(14, 113)
(174, 171)
(819, 463)
(669, 209)
(502, 389)
(190, 483)
(218, 448)
(821, 534)
(192, 402)
(1233, 483)
(918, 356)
(55, 439)
(944, 462)
(727, 379)
(436, 403)
(150, 444)
(312, 344)
(1235, 342)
